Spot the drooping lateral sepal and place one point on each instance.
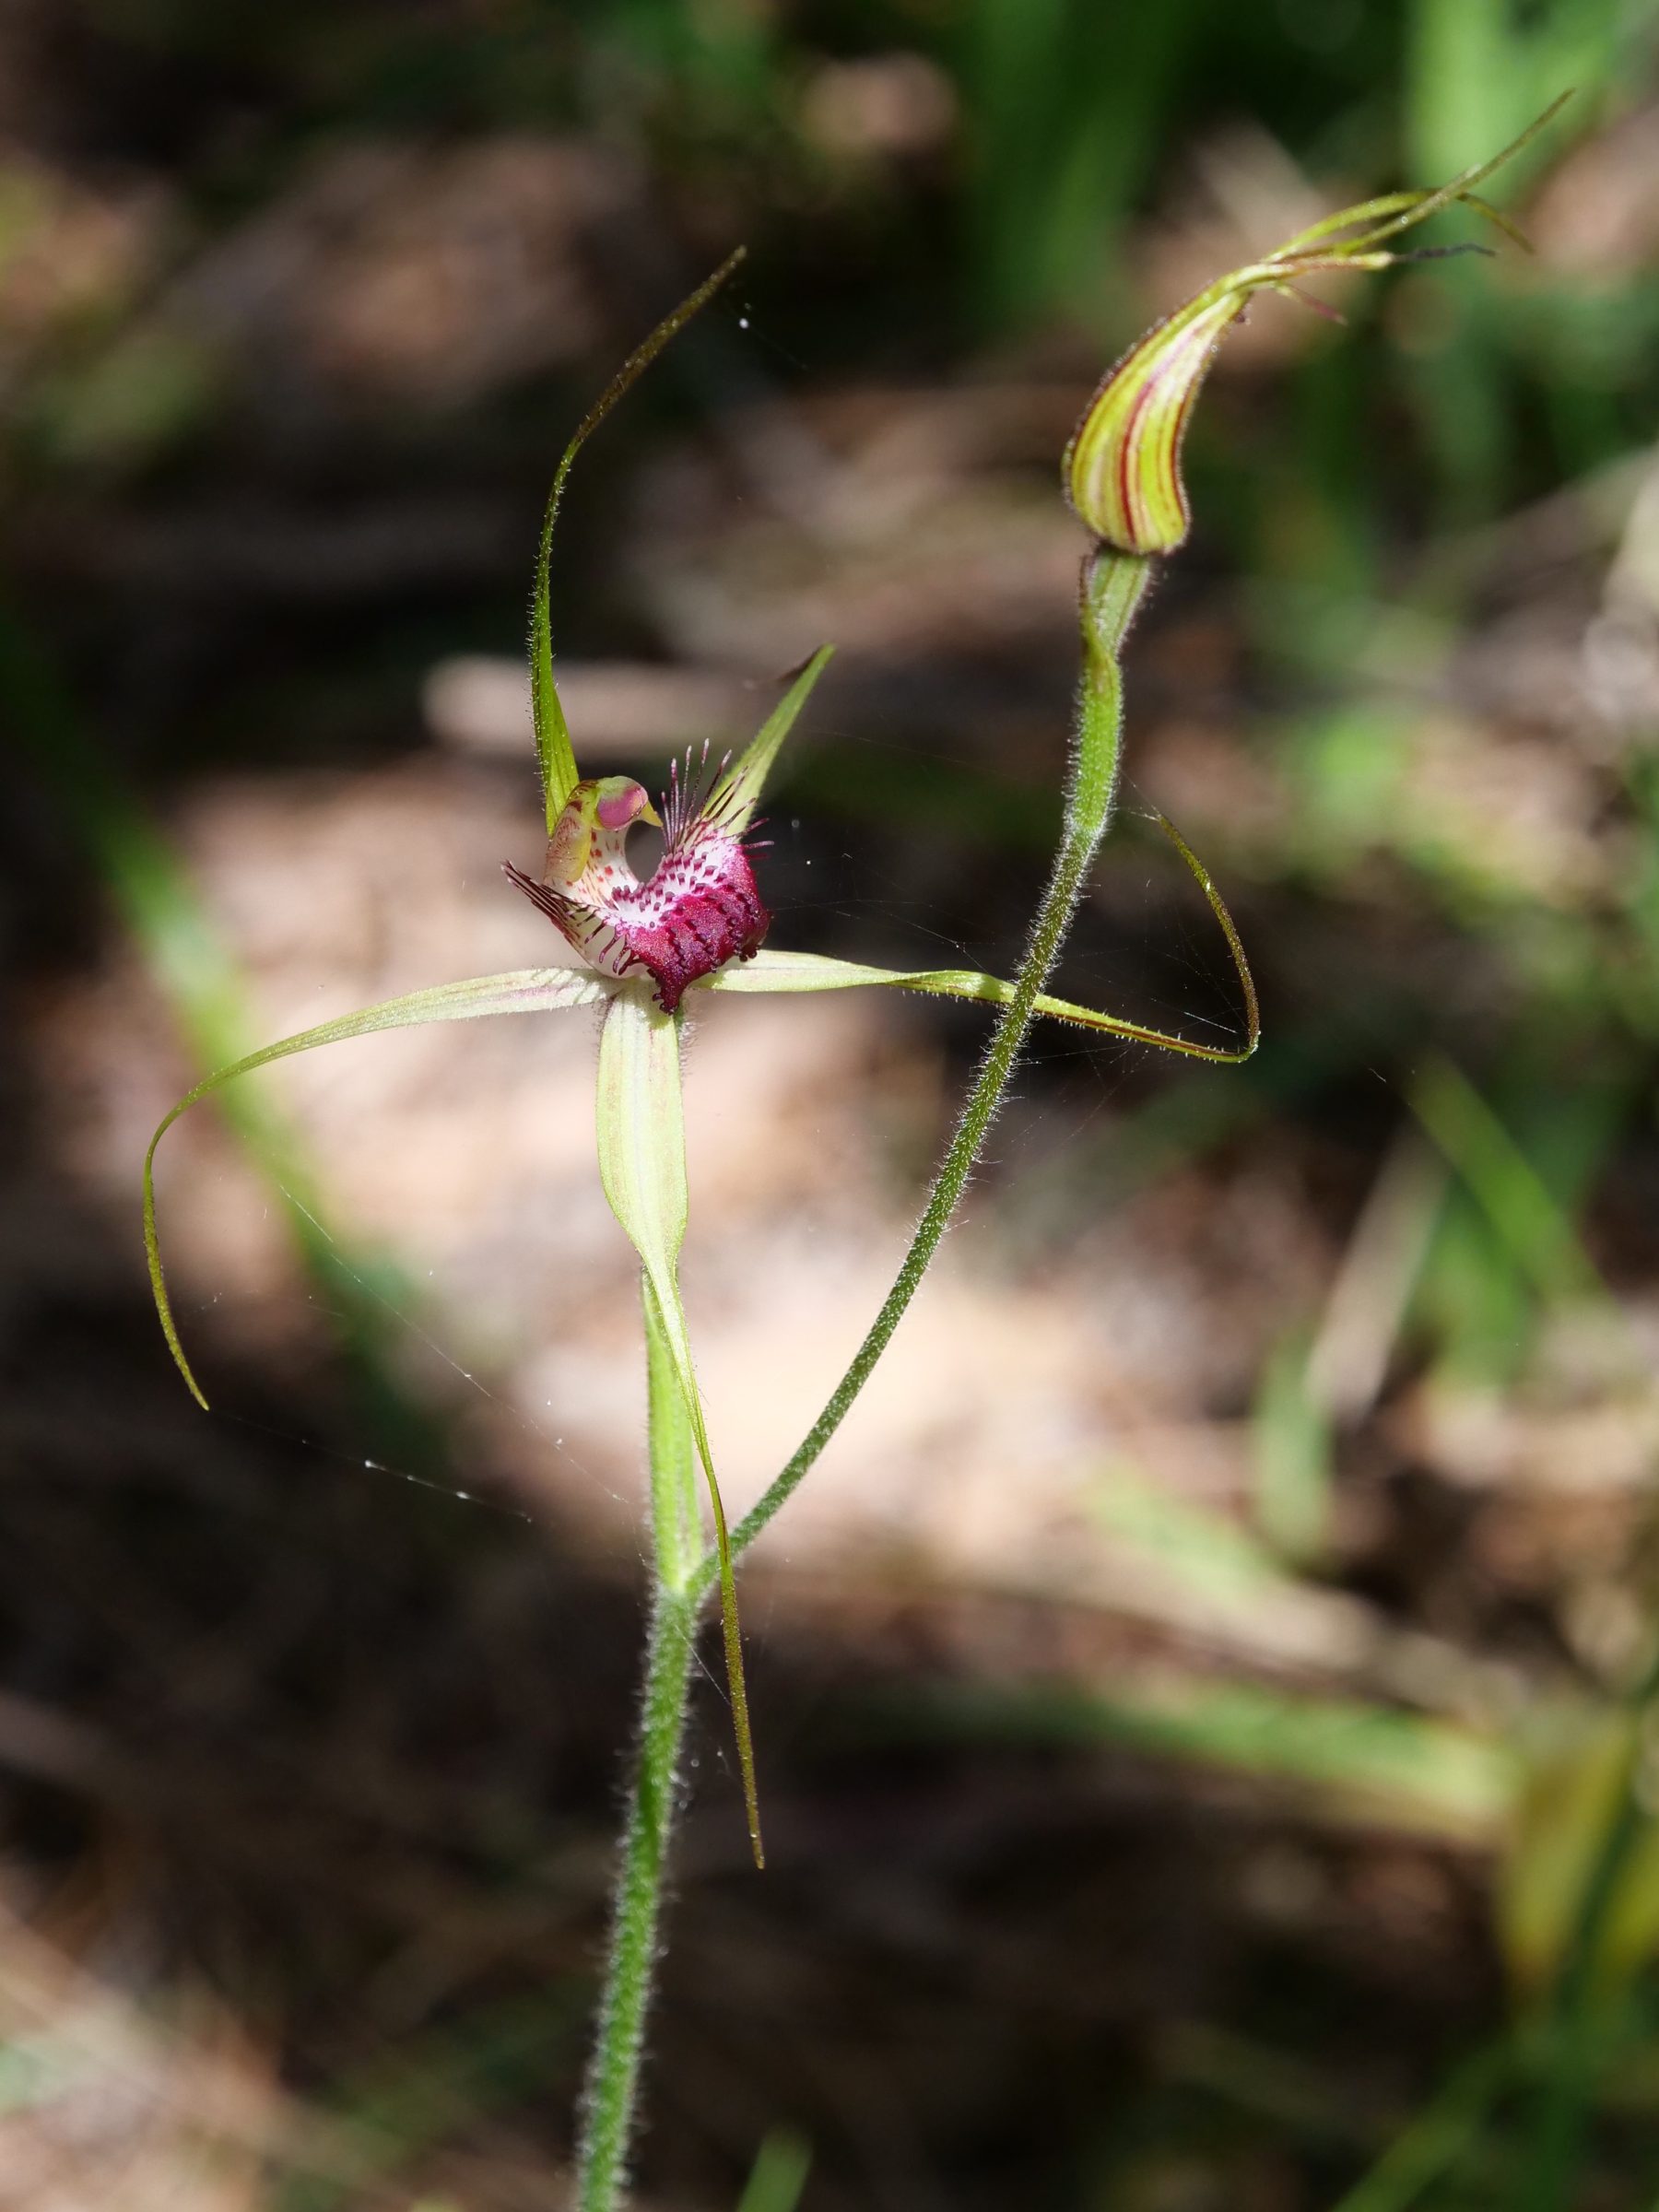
(522, 991)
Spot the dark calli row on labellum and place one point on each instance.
(697, 909)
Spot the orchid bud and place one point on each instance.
(1123, 468)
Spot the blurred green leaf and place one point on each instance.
(1431, 2145)
(199, 983)
(1372, 1762)
(1204, 1549)
(1520, 1207)
(151, 388)
(1574, 1790)
(782, 2165)
(1291, 1451)
(1067, 104)
(434, 2089)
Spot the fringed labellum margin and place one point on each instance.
(700, 907)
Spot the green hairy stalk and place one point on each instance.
(1114, 586)
(613, 2084)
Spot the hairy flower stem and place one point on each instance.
(1114, 587)
(613, 2080)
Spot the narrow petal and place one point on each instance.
(553, 750)
(522, 991)
(736, 794)
(792, 971)
(771, 970)
(642, 1167)
(815, 971)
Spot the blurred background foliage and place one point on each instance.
(1221, 1776)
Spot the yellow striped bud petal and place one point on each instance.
(1122, 466)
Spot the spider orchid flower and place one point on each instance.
(700, 906)
(1121, 469)
(696, 924)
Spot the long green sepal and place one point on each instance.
(737, 794)
(803, 972)
(642, 1166)
(554, 754)
(817, 972)
(522, 991)
(676, 1524)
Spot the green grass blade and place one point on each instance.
(1522, 1209)
(1291, 1454)
(185, 958)
(782, 2165)
(1377, 1763)
(1431, 2146)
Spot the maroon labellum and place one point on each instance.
(699, 908)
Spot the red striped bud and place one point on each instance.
(1122, 466)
